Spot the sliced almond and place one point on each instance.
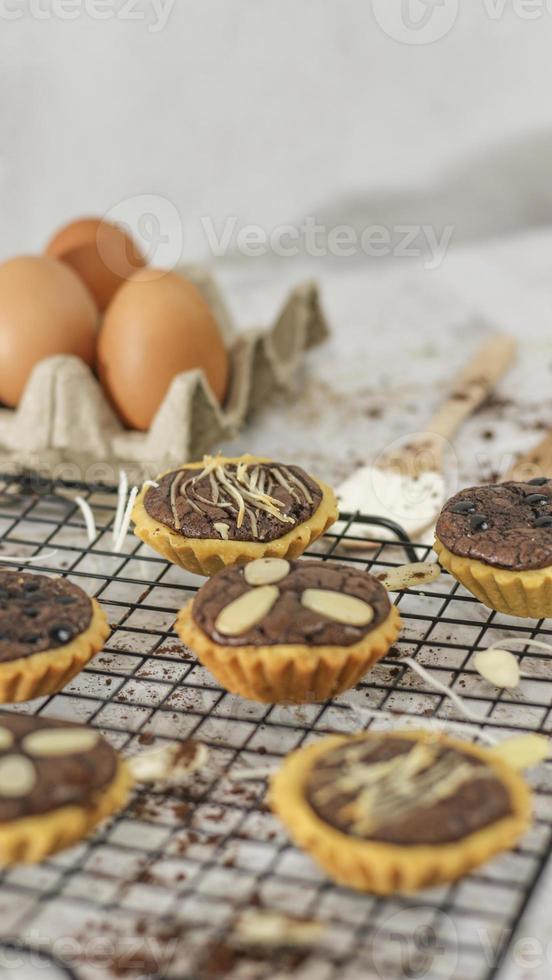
(523, 751)
(499, 667)
(275, 929)
(346, 609)
(251, 608)
(408, 576)
(17, 775)
(60, 741)
(266, 571)
(6, 738)
(169, 763)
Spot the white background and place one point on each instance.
(269, 111)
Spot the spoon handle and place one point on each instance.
(537, 462)
(473, 385)
(470, 388)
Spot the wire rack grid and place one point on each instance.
(156, 892)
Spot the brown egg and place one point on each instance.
(44, 310)
(157, 326)
(102, 254)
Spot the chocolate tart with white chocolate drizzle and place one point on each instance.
(279, 630)
(221, 511)
(393, 812)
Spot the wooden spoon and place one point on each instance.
(407, 485)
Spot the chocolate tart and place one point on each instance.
(221, 511)
(497, 541)
(393, 812)
(49, 630)
(289, 631)
(57, 782)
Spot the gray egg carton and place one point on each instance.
(65, 427)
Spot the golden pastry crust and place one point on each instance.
(288, 672)
(527, 594)
(31, 839)
(384, 868)
(206, 556)
(46, 672)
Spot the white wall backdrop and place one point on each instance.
(270, 110)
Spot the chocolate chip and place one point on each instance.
(539, 481)
(479, 523)
(536, 498)
(65, 600)
(544, 521)
(61, 634)
(31, 586)
(463, 507)
(31, 639)
(30, 612)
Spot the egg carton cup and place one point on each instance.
(65, 427)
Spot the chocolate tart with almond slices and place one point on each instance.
(49, 630)
(289, 631)
(497, 541)
(57, 782)
(205, 516)
(388, 812)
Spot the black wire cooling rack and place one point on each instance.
(156, 892)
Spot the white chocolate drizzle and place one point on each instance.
(243, 491)
(125, 523)
(362, 716)
(123, 513)
(459, 702)
(122, 493)
(29, 559)
(88, 518)
(222, 529)
(386, 791)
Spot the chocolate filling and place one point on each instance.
(65, 779)
(289, 621)
(38, 613)
(205, 504)
(405, 792)
(507, 524)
